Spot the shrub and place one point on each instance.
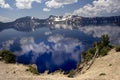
(32, 70)
(102, 74)
(0, 52)
(92, 50)
(8, 56)
(117, 48)
(110, 64)
(103, 47)
(110, 46)
(105, 40)
(89, 54)
(71, 73)
(103, 51)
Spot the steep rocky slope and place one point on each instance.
(104, 68)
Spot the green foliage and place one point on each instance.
(1, 53)
(105, 40)
(32, 70)
(111, 46)
(7, 56)
(71, 73)
(103, 51)
(117, 48)
(102, 74)
(89, 54)
(103, 47)
(92, 50)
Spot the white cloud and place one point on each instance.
(3, 4)
(59, 3)
(28, 44)
(5, 19)
(65, 46)
(62, 26)
(97, 31)
(48, 33)
(99, 8)
(46, 9)
(55, 38)
(62, 46)
(7, 44)
(25, 4)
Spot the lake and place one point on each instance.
(54, 47)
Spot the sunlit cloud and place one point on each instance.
(59, 3)
(3, 4)
(99, 8)
(25, 4)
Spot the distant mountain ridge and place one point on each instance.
(33, 23)
(74, 19)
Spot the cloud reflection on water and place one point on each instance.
(56, 52)
(97, 31)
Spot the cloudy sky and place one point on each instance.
(12, 9)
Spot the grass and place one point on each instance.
(71, 73)
(32, 69)
(7, 56)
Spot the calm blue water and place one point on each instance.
(54, 48)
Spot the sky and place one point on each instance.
(13, 9)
